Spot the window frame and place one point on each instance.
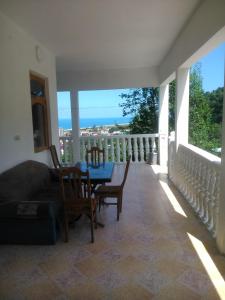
(44, 102)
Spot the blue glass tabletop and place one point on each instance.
(102, 173)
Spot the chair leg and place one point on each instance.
(66, 229)
(95, 218)
(92, 228)
(118, 208)
(121, 201)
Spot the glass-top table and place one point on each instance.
(98, 175)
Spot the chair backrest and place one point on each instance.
(126, 171)
(76, 188)
(93, 156)
(54, 156)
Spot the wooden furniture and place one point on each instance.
(76, 195)
(54, 156)
(113, 191)
(95, 156)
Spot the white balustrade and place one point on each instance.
(196, 173)
(117, 148)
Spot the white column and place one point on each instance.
(182, 106)
(163, 124)
(220, 226)
(75, 124)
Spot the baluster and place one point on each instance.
(112, 150)
(135, 149)
(147, 148)
(71, 151)
(118, 149)
(83, 151)
(94, 142)
(89, 144)
(129, 147)
(198, 187)
(124, 149)
(202, 191)
(206, 194)
(212, 199)
(106, 149)
(216, 204)
(141, 148)
(194, 181)
(153, 144)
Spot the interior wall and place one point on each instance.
(17, 58)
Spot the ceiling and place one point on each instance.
(102, 34)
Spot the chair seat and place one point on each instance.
(108, 190)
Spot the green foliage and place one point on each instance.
(143, 104)
(199, 112)
(205, 111)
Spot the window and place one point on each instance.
(40, 115)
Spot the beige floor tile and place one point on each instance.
(97, 247)
(92, 266)
(170, 268)
(176, 292)
(44, 290)
(88, 291)
(130, 266)
(131, 292)
(55, 265)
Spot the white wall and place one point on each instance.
(108, 79)
(17, 58)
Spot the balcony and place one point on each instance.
(195, 173)
(158, 249)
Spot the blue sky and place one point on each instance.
(103, 104)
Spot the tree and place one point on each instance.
(201, 127)
(143, 104)
(205, 111)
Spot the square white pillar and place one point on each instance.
(163, 124)
(182, 106)
(75, 124)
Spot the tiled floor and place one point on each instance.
(146, 255)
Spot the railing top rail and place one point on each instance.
(151, 135)
(204, 154)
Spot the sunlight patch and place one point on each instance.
(172, 199)
(214, 274)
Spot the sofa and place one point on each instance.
(30, 204)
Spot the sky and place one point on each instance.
(105, 103)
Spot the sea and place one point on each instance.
(88, 123)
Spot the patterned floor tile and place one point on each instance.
(131, 291)
(146, 255)
(153, 281)
(175, 291)
(87, 291)
(130, 266)
(110, 280)
(92, 267)
(196, 281)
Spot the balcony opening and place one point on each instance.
(206, 101)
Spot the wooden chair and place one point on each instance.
(93, 156)
(113, 191)
(54, 156)
(76, 196)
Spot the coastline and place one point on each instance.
(98, 126)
